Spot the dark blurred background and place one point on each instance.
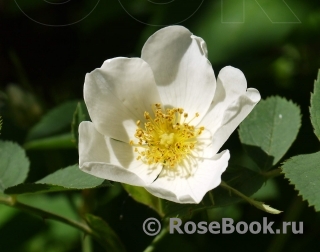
(47, 47)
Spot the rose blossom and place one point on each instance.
(159, 121)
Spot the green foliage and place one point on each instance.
(277, 58)
(315, 107)
(55, 121)
(50, 132)
(303, 170)
(269, 130)
(14, 165)
(81, 114)
(141, 195)
(304, 173)
(104, 234)
(54, 235)
(62, 141)
(69, 178)
(35, 233)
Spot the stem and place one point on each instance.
(161, 213)
(293, 212)
(211, 197)
(273, 173)
(257, 204)
(12, 202)
(86, 244)
(226, 186)
(156, 240)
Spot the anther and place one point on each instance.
(146, 115)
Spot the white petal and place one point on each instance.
(117, 95)
(192, 189)
(92, 146)
(231, 84)
(123, 155)
(109, 159)
(183, 74)
(233, 116)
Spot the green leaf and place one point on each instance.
(141, 195)
(269, 130)
(81, 114)
(14, 165)
(304, 173)
(57, 120)
(70, 178)
(104, 234)
(33, 188)
(242, 179)
(58, 234)
(315, 107)
(63, 141)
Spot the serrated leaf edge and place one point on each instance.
(24, 154)
(310, 107)
(294, 185)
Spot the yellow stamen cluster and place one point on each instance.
(167, 139)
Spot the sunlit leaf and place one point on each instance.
(303, 172)
(70, 178)
(141, 195)
(104, 234)
(315, 107)
(269, 130)
(14, 165)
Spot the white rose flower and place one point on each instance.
(159, 121)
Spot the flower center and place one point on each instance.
(166, 139)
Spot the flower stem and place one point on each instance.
(12, 202)
(273, 173)
(211, 198)
(257, 204)
(156, 240)
(279, 241)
